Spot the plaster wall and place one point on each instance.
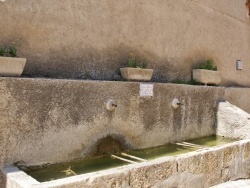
(71, 114)
(238, 97)
(92, 39)
(49, 120)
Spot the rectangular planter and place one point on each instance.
(137, 74)
(206, 76)
(11, 66)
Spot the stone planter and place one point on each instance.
(207, 76)
(11, 66)
(137, 74)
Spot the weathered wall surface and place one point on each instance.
(199, 170)
(44, 120)
(71, 114)
(92, 39)
(232, 122)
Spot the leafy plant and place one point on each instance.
(208, 65)
(10, 51)
(132, 62)
(189, 82)
(2, 51)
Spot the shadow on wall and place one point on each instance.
(110, 144)
(94, 64)
(230, 83)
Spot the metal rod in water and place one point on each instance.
(133, 157)
(196, 145)
(187, 145)
(122, 159)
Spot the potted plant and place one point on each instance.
(136, 71)
(10, 65)
(207, 73)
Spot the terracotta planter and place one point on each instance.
(137, 74)
(11, 66)
(207, 76)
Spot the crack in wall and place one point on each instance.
(177, 167)
(220, 12)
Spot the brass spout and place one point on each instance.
(179, 103)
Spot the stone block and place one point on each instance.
(149, 175)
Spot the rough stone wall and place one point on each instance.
(210, 168)
(72, 115)
(92, 39)
(38, 112)
(232, 122)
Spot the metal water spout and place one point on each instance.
(176, 103)
(111, 105)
